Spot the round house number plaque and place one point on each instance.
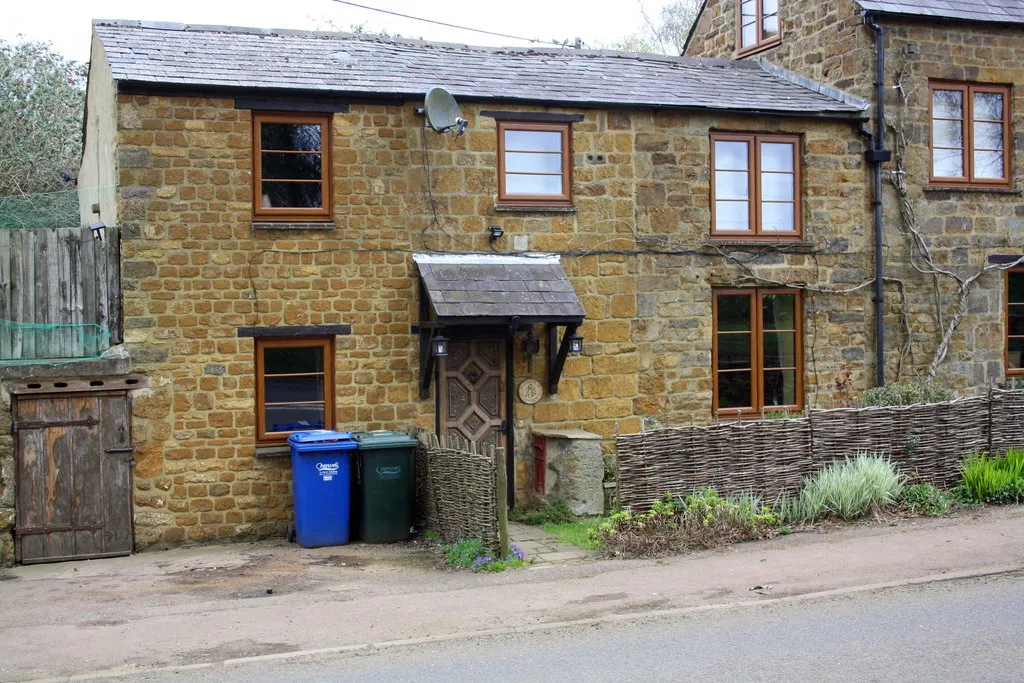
(530, 391)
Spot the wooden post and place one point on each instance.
(501, 498)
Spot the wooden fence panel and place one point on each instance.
(926, 440)
(1007, 415)
(766, 457)
(769, 457)
(59, 293)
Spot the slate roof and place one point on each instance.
(337, 63)
(535, 288)
(1004, 11)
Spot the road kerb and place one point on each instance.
(547, 626)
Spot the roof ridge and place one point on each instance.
(566, 51)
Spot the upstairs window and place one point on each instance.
(755, 186)
(757, 351)
(291, 167)
(759, 25)
(970, 142)
(294, 387)
(1015, 322)
(534, 164)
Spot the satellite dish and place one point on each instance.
(442, 112)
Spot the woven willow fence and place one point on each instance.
(456, 489)
(770, 457)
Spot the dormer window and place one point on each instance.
(758, 25)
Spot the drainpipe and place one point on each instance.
(878, 155)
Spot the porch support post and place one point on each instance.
(556, 361)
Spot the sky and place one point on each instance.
(66, 23)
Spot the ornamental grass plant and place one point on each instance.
(845, 489)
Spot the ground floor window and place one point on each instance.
(294, 386)
(1015, 322)
(757, 350)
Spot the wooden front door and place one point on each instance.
(74, 461)
(473, 392)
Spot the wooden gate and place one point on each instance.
(74, 460)
(473, 392)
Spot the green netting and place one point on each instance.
(29, 343)
(50, 210)
(62, 209)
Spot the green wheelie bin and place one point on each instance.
(385, 479)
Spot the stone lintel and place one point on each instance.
(572, 434)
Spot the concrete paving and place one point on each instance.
(541, 547)
(200, 607)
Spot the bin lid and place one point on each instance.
(323, 437)
(384, 438)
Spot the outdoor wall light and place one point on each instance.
(97, 230)
(576, 343)
(496, 231)
(439, 346)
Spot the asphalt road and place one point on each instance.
(969, 630)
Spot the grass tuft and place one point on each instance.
(992, 480)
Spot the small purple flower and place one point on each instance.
(481, 562)
(516, 552)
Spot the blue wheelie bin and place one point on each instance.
(321, 486)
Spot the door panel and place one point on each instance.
(472, 391)
(74, 477)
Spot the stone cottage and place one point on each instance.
(947, 138)
(613, 238)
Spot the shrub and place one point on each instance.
(702, 519)
(556, 513)
(905, 393)
(993, 480)
(470, 553)
(846, 489)
(463, 553)
(925, 499)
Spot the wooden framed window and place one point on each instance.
(755, 186)
(534, 163)
(758, 25)
(970, 141)
(294, 386)
(1015, 321)
(291, 167)
(757, 350)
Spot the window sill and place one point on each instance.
(969, 188)
(273, 451)
(507, 208)
(806, 244)
(752, 50)
(293, 225)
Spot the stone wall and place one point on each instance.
(827, 41)
(636, 249)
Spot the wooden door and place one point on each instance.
(74, 461)
(473, 392)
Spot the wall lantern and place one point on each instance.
(496, 231)
(576, 343)
(439, 346)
